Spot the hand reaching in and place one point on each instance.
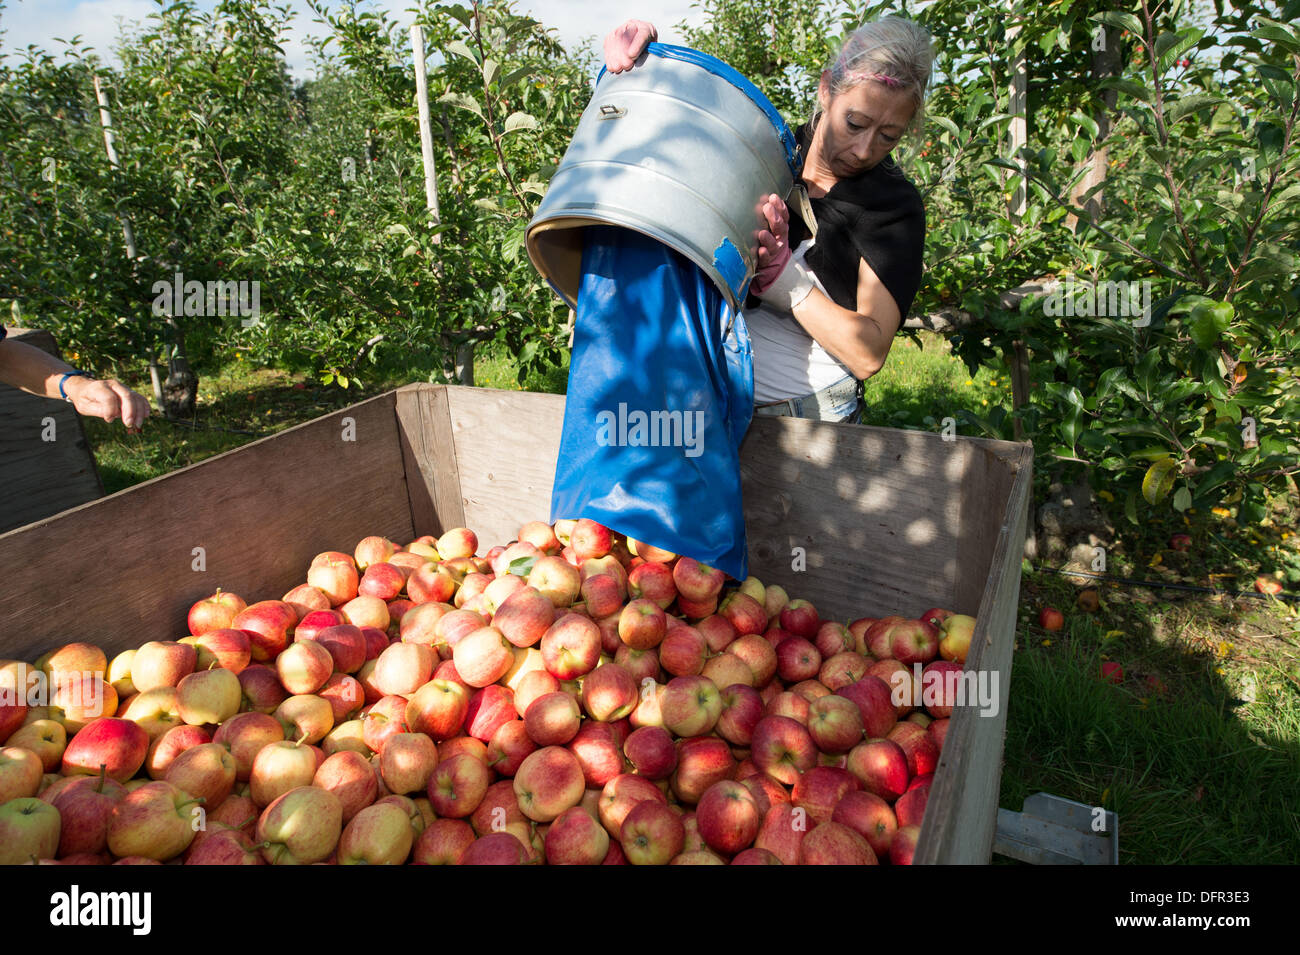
(773, 243)
(624, 44)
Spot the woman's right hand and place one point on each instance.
(624, 44)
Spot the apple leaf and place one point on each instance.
(1159, 480)
(522, 566)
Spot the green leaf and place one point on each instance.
(521, 566)
(1182, 499)
(462, 101)
(1208, 322)
(1191, 104)
(1130, 506)
(1280, 33)
(1129, 87)
(518, 120)
(461, 48)
(1125, 21)
(1159, 480)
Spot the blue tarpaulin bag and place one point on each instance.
(660, 395)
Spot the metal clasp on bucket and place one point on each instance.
(610, 111)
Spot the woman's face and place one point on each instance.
(861, 125)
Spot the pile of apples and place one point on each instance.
(575, 697)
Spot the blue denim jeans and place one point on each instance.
(837, 402)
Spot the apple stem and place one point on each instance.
(103, 776)
(246, 821)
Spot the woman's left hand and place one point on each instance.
(773, 242)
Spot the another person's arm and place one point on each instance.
(38, 373)
(625, 43)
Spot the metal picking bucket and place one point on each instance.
(681, 148)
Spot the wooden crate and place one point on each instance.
(40, 477)
(885, 521)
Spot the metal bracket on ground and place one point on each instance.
(1055, 831)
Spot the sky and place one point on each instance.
(38, 22)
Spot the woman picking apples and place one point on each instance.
(830, 294)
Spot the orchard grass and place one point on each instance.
(1197, 773)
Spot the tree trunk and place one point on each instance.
(181, 389)
(1106, 63)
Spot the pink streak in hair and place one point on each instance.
(890, 81)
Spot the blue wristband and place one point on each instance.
(64, 380)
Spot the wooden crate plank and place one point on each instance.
(119, 572)
(41, 477)
(507, 445)
(428, 450)
(960, 817)
(874, 510)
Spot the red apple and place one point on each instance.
(800, 618)
(269, 624)
(742, 708)
(214, 613)
(729, 817)
(349, 776)
(571, 647)
(882, 768)
(652, 834)
(119, 745)
(548, 782)
(834, 844)
(797, 659)
(835, 724)
(458, 785)
(870, 817)
(1051, 619)
(701, 762)
(609, 693)
(443, 843)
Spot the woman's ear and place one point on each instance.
(824, 90)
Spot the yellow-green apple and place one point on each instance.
(483, 656)
(509, 746)
(407, 762)
(388, 716)
(691, 706)
(517, 559)
(541, 535)
(305, 598)
(403, 668)
(654, 582)
(46, 738)
(345, 695)
(755, 588)
(870, 817)
(589, 539)
(365, 610)
(910, 807)
(119, 674)
(742, 708)
(598, 747)
(373, 550)
(279, 767)
(348, 775)
(223, 647)
(80, 696)
(156, 821)
(457, 542)
(841, 670)
(878, 636)
(496, 848)
(571, 647)
(903, 847)
(206, 772)
(499, 590)
(775, 599)
(489, 708)
(800, 618)
(458, 785)
(921, 753)
(472, 586)
(696, 581)
(418, 817)
(820, 789)
(316, 621)
(620, 795)
(874, 700)
(701, 762)
(553, 719)
(377, 835)
(649, 552)
(118, 744)
(797, 659)
(335, 576)
(161, 663)
(914, 641)
(171, 744)
(348, 736)
(29, 831)
(269, 623)
(648, 711)
(209, 696)
(346, 645)
(651, 752)
(718, 632)
(244, 734)
(437, 709)
(835, 724)
(727, 669)
(858, 628)
(575, 838)
(259, 685)
(609, 693)
(85, 807)
(783, 748)
(549, 781)
(21, 772)
(215, 612)
(832, 843)
(76, 658)
(881, 766)
(728, 817)
(300, 827)
(556, 579)
(426, 546)
(957, 632)
(443, 842)
(305, 716)
(652, 834)
(683, 651)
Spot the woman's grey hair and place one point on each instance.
(893, 51)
